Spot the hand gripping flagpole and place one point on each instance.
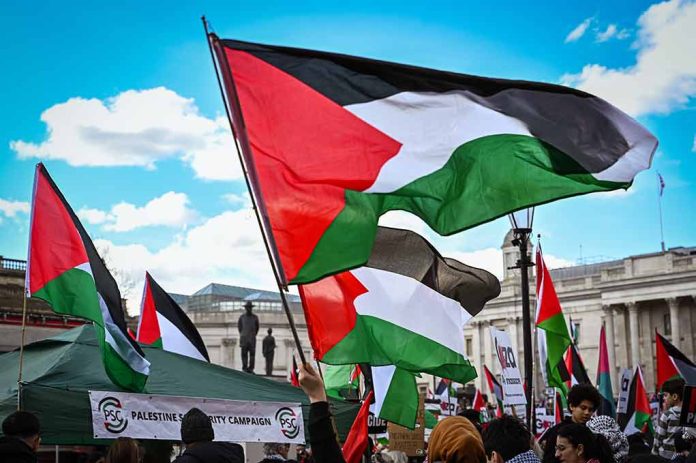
(234, 116)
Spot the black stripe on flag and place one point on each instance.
(165, 305)
(409, 254)
(104, 282)
(588, 129)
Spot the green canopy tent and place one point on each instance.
(58, 372)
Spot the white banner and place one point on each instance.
(513, 387)
(624, 389)
(145, 416)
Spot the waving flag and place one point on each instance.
(495, 389)
(356, 441)
(407, 307)
(672, 363)
(65, 270)
(396, 395)
(606, 407)
(576, 367)
(638, 411)
(552, 332)
(335, 141)
(164, 324)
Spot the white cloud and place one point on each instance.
(405, 220)
(612, 31)
(226, 248)
(136, 128)
(490, 259)
(242, 201)
(693, 148)
(169, 210)
(93, 216)
(553, 262)
(12, 208)
(579, 31)
(664, 75)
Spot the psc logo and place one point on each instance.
(114, 419)
(287, 419)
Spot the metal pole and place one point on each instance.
(659, 209)
(233, 111)
(21, 347)
(527, 328)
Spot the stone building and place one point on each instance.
(631, 296)
(41, 321)
(215, 310)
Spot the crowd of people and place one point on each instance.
(581, 437)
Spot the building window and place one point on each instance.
(667, 321)
(575, 332)
(468, 349)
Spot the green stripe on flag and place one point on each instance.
(401, 347)
(484, 179)
(401, 402)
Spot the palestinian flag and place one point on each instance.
(165, 325)
(294, 373)
(65, 270)
(478, 403)
(552, 333)
(407, 307)
(356, 441)
(332, 142)
(340, 382)
(638, 409)
(396, 395)
(606, 407)
(445, 392)
(495, 389)
(576, 367)
(672, 363)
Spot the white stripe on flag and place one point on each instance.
(408, 303)
(173, 340)
(381, 379)
(430, 126)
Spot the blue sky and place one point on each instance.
(120, 102)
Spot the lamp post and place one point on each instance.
(521, 222)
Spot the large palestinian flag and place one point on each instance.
(672, 363)
(164, 324)
(65, 270)
(638, 408)
(552, 333)
(606, 407)
(332, 142)
(406, 307)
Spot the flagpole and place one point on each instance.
(21, 347)
(659, 209)
(234, 113)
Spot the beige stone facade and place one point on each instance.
(631, 296)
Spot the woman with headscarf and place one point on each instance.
(609, 428)
(456, 440)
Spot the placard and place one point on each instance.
(511, 379)
(624, 389)
(146, 416)
(409, 441)
(688, 409)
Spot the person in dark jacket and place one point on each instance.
(21, 438)
(322, 430)
(583, 400)
(197, 433)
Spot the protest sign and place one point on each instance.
(145, 416)
(511, 379)
(624, 389)
(409, 441)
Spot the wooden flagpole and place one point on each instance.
(236, 120)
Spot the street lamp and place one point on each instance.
(521, 222)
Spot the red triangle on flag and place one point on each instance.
(356, 442)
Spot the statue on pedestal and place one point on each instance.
(248, 326)
(268, 348)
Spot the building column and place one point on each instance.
(674, 320)
(512, 331)
(227, 354)
(487, 344)
(476, 352)
(611, 347)
(289, 349)
(635, 334)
